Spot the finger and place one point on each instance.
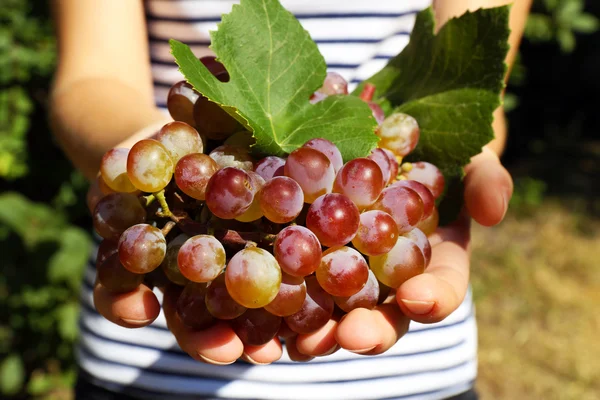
(215, 345)
(435, 294)
(292, 350)
(488, 188)
(319, 343)
(372, 332)
(265, 354)
(135, 309)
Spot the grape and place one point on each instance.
(429, 175)
(377, 112)
(312, 170)
(430, 224)
(403, 204)
(290, 297)
(254, 212)
(201, 258)
(219, 302)
(106, 248)
(281, 199)
(377, 233)
(116, 212)
(253, 277)
(212, 121)
(142, 248)
(229, 193)
(394, 167)
(232, 156)
(180, 102)
(180, 139)
(343, 271)
(417, 236)
(399, 133)
(215, 68)
(316, 310)
(169, 264)
(243, 139)
(361, 181)
(403, 262)
(317, 97)
(381, 158)
(149, 166)
(297, 250)
(115, 278)
(192, 174)
(191, 306)
(384, 292)
(334, 84)
(367, 297)
(423, 192)
(334, 218)
(329, 149)
(104, 188)
(270, 167)
(113, 169)
(256, 327)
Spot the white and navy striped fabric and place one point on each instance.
(435, 361)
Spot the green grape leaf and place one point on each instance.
(274, 67)
(450, 83)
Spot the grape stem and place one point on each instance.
(147, 200)
(228, 237)
(165, 212)
(367, 92)
(167, 228)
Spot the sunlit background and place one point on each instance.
(536, 277)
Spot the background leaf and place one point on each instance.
(12, 374)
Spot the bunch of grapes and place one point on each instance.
(263, 242)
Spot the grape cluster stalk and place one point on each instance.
(264, 242)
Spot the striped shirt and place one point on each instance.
(436, 361)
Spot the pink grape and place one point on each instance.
(115, 278)
(106, 248)
(191, 307)
(270, 167)
(316, 310)
(254, 212)
(113, 169)
(180, 139)
(142, 248)
(219, 302)
(361, 181)
(403, 204)
(343, 271)
(192, 174)
(377, 111)
(212, 121)
(423, 192)
(201, 258)
(381, 158)
(429, 175)
(334, 84)
(253, 277)
(115, 213)
(290, 297)
(399, 133)
(377, 233)
(281, 199)
(169, 264)
(417, 236)
(334, 219)
(394, 167)
(256, 327)
(229, 193)
(312, 170)
(215, 68)
(430, 224)
(329, 149)
(367, 297)
(180, 102)
(297, 250)
(232, 156)
(149, 166)
(403, 262)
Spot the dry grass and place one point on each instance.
(536, 281)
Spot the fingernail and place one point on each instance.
(330, 351)
(253, 361)
(137, 321)
(211, 361)
(362, 351)
(419, 307)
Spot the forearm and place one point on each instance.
(91, 115)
